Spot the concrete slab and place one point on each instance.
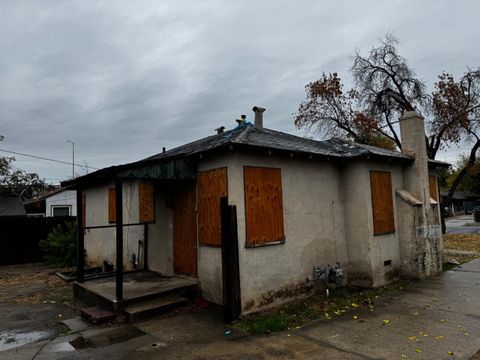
(76, 324)
(428, 320)
(137, 285)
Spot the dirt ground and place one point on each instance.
(33, 302)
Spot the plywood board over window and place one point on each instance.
(212, 186)
(146, 198)
(382, 202)
(432, 184)
(263, 205)
(112, 207)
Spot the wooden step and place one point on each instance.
(152, 307)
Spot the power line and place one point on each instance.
(47, 159)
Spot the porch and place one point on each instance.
(144, 292)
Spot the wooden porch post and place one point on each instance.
(119, 233)
(80, 239)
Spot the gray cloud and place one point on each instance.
(123, 79)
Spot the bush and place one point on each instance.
(60, 246)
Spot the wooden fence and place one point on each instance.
(20, 238)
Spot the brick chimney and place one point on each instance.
(258, 117)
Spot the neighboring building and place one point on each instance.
(462, 202)
(301, 205)
(58, 202)
(11, 207)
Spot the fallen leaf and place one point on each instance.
(467, 334)
(385, 322)
(418, 350)
(412, 337)
(439, 337)
(354, 305)
(404, 356)
(355, 316)
(450, 353)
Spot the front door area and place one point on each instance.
(185, 231)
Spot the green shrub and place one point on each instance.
(60, 245)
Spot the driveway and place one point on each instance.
(432, 319)
(463, 224)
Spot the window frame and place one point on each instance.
(53, 207)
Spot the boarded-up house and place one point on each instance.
(298, 205)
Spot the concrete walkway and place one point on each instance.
(463, 224)
(433, 319)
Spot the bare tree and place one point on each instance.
(384, 87)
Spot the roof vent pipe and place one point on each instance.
(220, 130)
(242, 120)
(258, 116)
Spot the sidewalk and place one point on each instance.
(432, 319)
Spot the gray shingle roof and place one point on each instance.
(266, 138)
(11, 206)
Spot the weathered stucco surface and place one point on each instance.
(100, 243)
(314, 229)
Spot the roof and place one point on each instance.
(246, 135)
(49, 193)
(11, 206)
(461, 195)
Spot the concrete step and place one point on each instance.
(152, 307)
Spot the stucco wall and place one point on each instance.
(100, 244)
(314, 229)
(367, 252)
(64, 198)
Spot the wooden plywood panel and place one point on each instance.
(146, 196)
(432, 183)
(212, 186)
(112, 209)
(84, 209)
(185, 231)
(382, 202)
(263, 205)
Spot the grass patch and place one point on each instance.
(297, 313)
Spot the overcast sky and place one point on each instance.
(124, 79)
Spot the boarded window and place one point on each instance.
(112, 207)
(212, 186)
(263, 205)
(84, 209)
(432, 183)
(382, 202)
(146, 196)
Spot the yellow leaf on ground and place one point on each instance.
(418, 350)
(385, 322)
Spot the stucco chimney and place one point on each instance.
(412, 131)
(419, 232)
(258, 116)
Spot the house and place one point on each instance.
(11, 207)
(61, 201)
(298, 212)
(462, 202)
